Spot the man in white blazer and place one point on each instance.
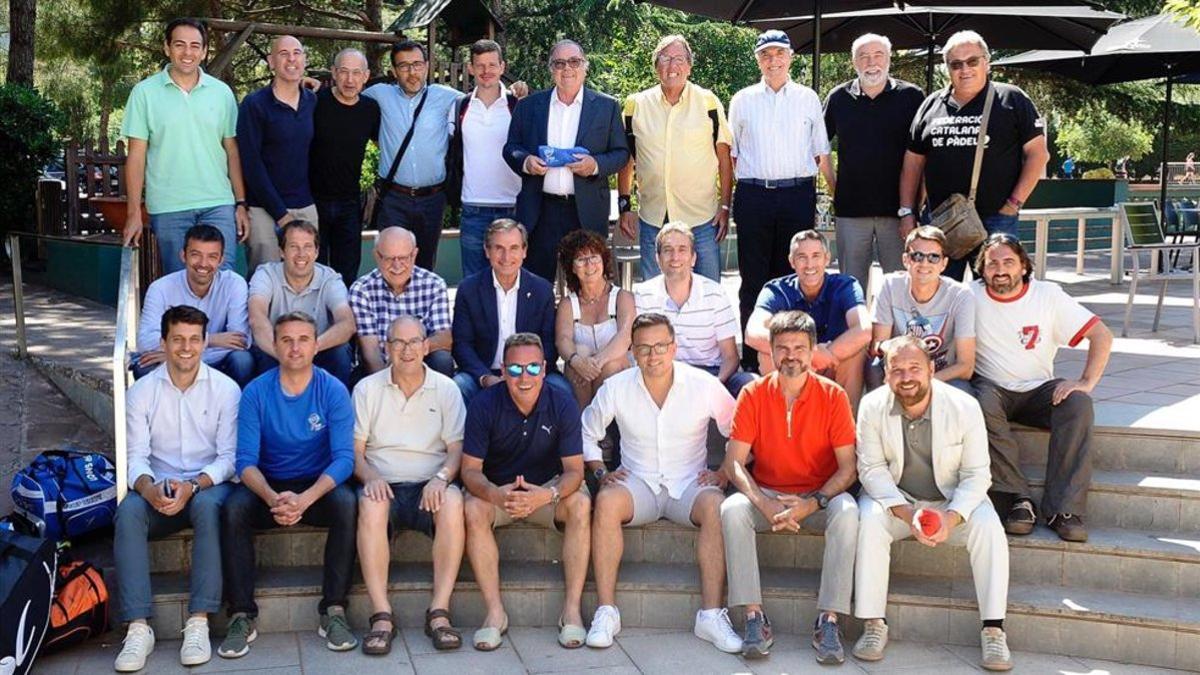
(922, 445)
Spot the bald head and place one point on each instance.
(350, 74)
(391, 236)
(395, 254)
(350, 58)
(287, 60)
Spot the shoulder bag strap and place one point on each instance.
(979, 141)
(387, 182)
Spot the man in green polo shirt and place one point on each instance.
(181, 125)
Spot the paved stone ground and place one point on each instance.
(534, 650)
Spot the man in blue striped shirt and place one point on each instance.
(295, 451)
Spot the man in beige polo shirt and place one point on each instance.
(408, 431)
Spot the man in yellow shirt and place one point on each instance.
(679, 145)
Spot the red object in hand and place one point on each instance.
(929, 521)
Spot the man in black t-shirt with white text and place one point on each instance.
(942, 141)
(870, 117)
(343, 122)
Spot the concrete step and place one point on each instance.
(1163, 563)
(1132, 627)
(1124, 449)
(1136, 500)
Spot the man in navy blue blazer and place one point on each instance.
(557, 199)
(494, 303)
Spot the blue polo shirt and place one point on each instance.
(273, 142)
(511, 444)
(839, 294)
(296, 437)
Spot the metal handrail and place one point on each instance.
(128, 294)
(123, 344)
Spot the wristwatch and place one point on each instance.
(195, 486)
(623, 204)
(442, 476)
(822, 500)
(242, 203)
(904, 212)
(554, 496)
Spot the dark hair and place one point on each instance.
(1005, 239)
(187, 21)
(203, 232)
(575, 243)
(522, 340)
(891, 347)
(650, 319)
(183, 314)
(303, 226)
(794, 321)
(927, 233)
(408, 46)
(485, 46)
(303, 317)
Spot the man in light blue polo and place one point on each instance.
(181, 125)
(416, 197)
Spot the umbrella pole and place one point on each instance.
(816, 64)
(929, 67)
(1166, 142)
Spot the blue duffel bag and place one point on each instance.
(66, 493)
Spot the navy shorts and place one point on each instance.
(405, 512)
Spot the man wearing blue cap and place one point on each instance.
(778, 139)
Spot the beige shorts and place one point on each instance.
(543, 516)
(649, 507)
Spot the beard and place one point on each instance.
(872, 79)
(1002, 283)
(914, 396)
(792, 368)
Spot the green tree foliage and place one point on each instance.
(29, 125)
(1188, 10)
(1096, 135)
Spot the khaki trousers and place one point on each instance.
(263, 241)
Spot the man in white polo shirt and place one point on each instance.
(663, 410)
(697, 307)
(1019, 325)
(408, 431)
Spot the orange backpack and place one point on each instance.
(80, 607)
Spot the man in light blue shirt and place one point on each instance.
(181, 425)
(206, 285)
(416, 197)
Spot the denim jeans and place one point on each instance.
(422, 215)
(238, 364)
(471, 227)
(245, 513)
(340, 222)
(336, 360)
(708, 252)
(137, 523)
(469, 386)
(170, 228)
(997, 222)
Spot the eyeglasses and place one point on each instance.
(515, 369)
(574, 62)
(410, 66)
(921, 256)
(959, 64)
(585, 260)
(659, 348)
(390, 260)
(411, 343)
(665, 59)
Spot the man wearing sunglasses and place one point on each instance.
(941, 147)
(523, 461)
(556, 199)
(936, 310)
(662, 409)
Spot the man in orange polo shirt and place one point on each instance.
(799, 427)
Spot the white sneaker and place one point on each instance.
(995, 650)
(873, 641)
(605, 625)
(139, 643)
(713, 625)
(196, 648)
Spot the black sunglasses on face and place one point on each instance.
(920, 256)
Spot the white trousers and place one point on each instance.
(982, 533)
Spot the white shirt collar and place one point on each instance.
(162, 374)
(498, 287)
(554, 100)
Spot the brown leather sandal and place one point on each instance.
(444, 637)
(370, 641)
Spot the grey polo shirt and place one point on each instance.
(917, 479)
(324, 293)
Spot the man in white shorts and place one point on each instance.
(662, 409)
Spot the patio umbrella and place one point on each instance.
(746, 11)
(1153, 47)
(917, 27)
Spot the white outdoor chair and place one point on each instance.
(1144, 232)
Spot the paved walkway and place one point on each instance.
(534, 650)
